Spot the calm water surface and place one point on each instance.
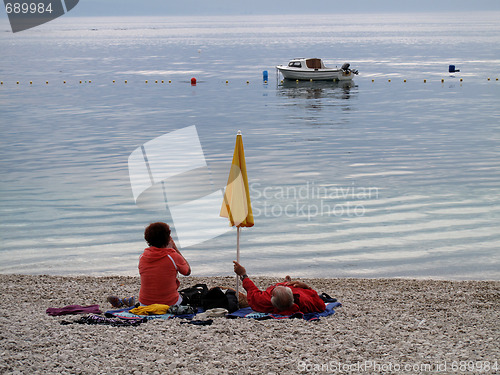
(375, 179)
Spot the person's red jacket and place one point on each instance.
(306, 300)
(158, 268)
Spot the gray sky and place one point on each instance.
(223, 7)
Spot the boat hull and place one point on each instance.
(315, 74)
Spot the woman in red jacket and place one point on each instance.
(159, 265)
(284, 298)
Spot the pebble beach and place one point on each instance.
(384, 326)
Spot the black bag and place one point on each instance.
(232, 301)
(215, 297)
(193, 296)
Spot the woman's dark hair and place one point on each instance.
(157, 234)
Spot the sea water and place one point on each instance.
(395, 175)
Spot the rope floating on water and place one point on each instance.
(194, 81)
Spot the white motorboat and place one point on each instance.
(314, 69)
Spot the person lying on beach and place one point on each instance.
(159, 265)
(285, 298)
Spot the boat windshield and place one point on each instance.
(295, 64)
(314, 63)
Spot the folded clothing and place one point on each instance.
(154, 309)
(73, 309)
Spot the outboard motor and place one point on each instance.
(346, 69)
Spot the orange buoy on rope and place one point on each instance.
(193, 81)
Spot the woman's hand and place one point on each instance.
(171, 245)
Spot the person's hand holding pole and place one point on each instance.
(239, 269)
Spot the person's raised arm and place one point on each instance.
(257, 299)
(240, 270)
(171, 245)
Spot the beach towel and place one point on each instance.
(247, 312)
(73, 309)
(126, 314)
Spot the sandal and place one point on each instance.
(115, 301)
(129, 302)
(326, 298)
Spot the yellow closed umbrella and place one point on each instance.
(236, 205)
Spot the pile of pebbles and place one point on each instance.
(384, 326)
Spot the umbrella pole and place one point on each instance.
(238, 260)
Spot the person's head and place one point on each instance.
(157, 234)
(282, 298)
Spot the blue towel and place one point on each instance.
(247, 312)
